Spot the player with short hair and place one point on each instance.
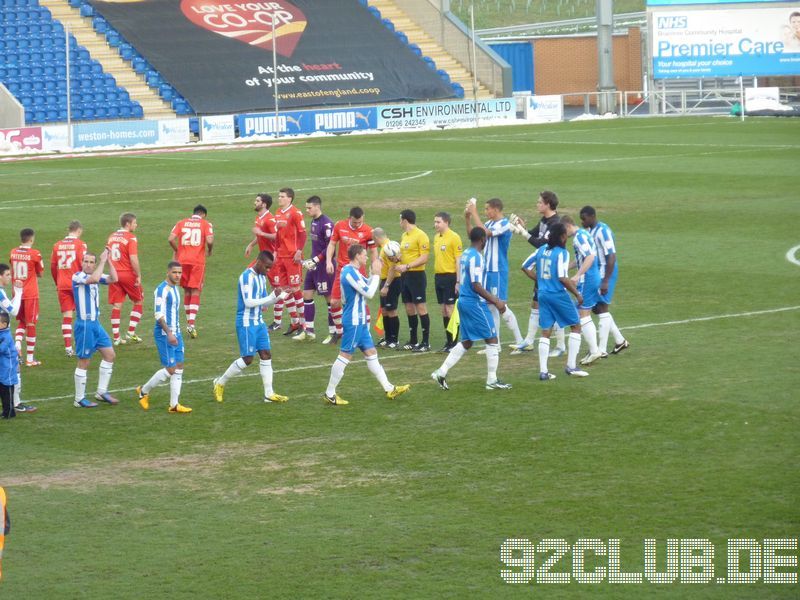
(317, 280)
(551, 263)
(609, 270)
(587, 280)
(27, 267)
(89, 334)
(285, 273)
(265, 238)
(546, 206)
(251, 331)
(498, 233)
(390, 291)
(66, 260)
(447, 249)
(477, 323)
(192, 240)
(415, 250)
(346, 232)
(356, 290)
(124, 257)
(169, 341)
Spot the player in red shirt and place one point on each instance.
(192, 240)
(264, 226)
(347, 232)
(287, 270)
(27, 267)
(124, 256)
(66, 260)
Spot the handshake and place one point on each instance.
(518, 226)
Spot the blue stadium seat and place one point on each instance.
(113, 39)
(401, 36)
(87, 10)
(100, 25)
(137, 110)
(139, 65)
(458, 90)
(75, 3)
(125, 112)
(194, 125)
(126, 52)
(374, 12)
(415, 49)
(166, 92)
(388, 24)
(430, 62)
(444, 75)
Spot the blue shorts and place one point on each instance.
(89, 337)
(475, 321)
(170, 355)
(252, 339)
(612, 283)
(497, 284)
(590, 290)
(557, 308)
(356, 336)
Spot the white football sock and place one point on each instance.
(106, 368)
(452, 358)
(80, 384)
(374, 366)
(589, 332)
(574, 348)
(18, 392)
(603, 329)
(265, 368)
(544, 353)
(235, 369)
(510, 319)
(560, 344)
(496, 315)
(492, 360)
(618, 337)
(337, 372)
(175, 387)
(533, 326)
(157, 379)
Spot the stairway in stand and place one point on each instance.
(457, 71)
(81, 27)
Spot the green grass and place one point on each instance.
(503, 13)
(690, 434)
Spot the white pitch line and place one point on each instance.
(255, 372)
(216, 196)
(791, 255)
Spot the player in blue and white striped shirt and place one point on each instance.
(11, 306)
(169, 341)
(587, 279)
(498, 231)
(356, 290)
(251, 330)
(609, 267)
(476, 322)
(89, 335)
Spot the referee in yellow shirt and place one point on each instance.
(415, 248)
(447, 249)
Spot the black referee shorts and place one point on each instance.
(389, 301)
(413, 287)
(445, 284)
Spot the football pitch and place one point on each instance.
(692, 433)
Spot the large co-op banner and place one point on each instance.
(692, 43)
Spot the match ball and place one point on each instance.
(391, 249)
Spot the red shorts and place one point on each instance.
(126, 286)
(192, 276)
(336, 290)
(285, 272)
(66, 300)
(28, 311)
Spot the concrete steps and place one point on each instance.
(457, 71)
(81, 27)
